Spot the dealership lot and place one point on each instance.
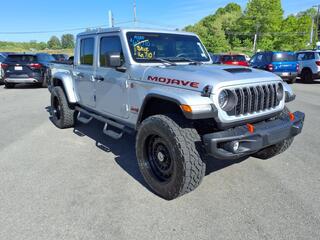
(78, 184)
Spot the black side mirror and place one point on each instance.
(113, 59)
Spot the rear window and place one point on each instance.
(234, 58)
(22, 58)
(87, 51)
(284, 57)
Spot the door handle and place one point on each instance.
(99, 78)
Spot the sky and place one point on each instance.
(60, 15)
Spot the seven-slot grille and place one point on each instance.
(255, 99)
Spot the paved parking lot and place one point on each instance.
(78, 184)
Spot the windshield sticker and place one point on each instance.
(141, 47)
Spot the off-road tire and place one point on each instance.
(184, 145)
(306, 76)
(9, 85)
(292, 80)
(277, 149)
(66, 118)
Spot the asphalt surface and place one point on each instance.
(78, 184)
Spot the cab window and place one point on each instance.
(109, 45)
(87, 51)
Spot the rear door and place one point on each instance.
(112, 85)
(284, 62)
(85, 71)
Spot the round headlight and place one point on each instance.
(227, 100)
(280, 92)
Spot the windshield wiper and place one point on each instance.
(191, 61)
(162, 60)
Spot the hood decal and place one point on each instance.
(172, 81)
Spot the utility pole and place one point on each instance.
(311, 33)
(111, 20)
(135, 12)
(255, 41)
(318, 23)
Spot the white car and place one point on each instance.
(309, 65)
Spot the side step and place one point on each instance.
(108, 122)
(83, 119)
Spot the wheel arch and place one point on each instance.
(154, 104)
(65, 81)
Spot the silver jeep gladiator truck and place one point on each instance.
(163, 87)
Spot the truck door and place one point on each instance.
(85, 71)
(112, 85)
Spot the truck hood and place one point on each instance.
(196, 77)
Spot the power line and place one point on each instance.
(52, 31)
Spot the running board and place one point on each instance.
(108, 122)
(83, 119)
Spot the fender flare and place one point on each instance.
(67, 82)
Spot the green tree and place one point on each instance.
(54, 43)
(265, 18)
(67, 41)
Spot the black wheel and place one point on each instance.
(292, 80)
(62, 115)
(277, 149)
(46, 75)
(306, 75)
(168, 152)
(9, 85)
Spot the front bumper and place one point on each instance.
(265, 134)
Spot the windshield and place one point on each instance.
(150, 47)
(284, 57)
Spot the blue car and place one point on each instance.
(283, 64)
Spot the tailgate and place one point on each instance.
(285, 66)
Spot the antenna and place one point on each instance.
(111, 20)
(135, 12)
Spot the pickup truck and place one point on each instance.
(185, 111)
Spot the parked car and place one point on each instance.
(284, 64)
(26, 68)
(60, 57)
(162, 85)
(230, 59)
(309, 62)
(2, 58)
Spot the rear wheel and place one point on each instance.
(62, 115)
(306, 75)
(168, 152)
(292, 81)
(9, 85)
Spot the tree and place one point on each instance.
(67, 41)
(214, 29)
(54, 43)
(265, 18)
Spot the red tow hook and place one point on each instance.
(292, 117)
(250, 128)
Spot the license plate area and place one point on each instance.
(18, 68)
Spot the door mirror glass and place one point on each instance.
(113, 59)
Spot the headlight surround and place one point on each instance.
(280, 92)
(227, 100)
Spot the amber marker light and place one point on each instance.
(186, 108)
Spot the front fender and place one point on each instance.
(203, 107)
(67, 82)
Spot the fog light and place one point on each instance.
(235, 146)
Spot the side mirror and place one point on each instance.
(113, 59)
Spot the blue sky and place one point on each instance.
(20, 16)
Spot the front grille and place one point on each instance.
(255, 99)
